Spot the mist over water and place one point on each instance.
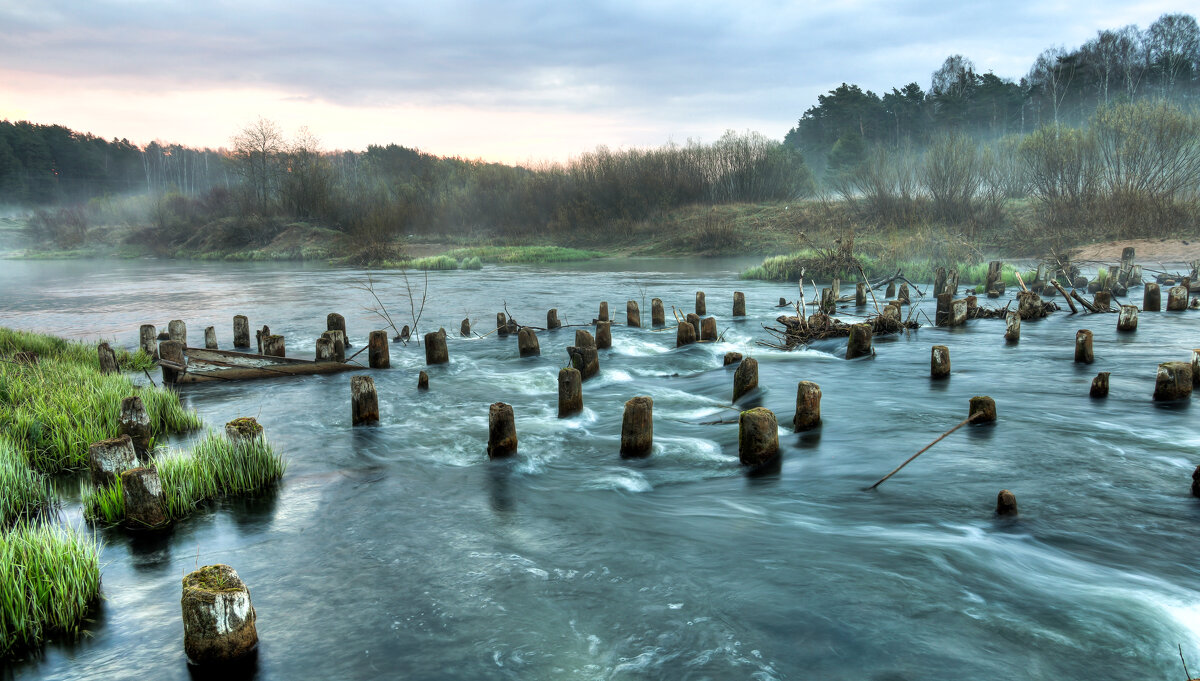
(400, 550)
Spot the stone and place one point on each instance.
(758, 437)
(218, 618)
(107, 459)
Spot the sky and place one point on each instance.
(515, 82)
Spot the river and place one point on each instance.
(400, 551)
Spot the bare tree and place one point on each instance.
(1174, 45)
(256, 153)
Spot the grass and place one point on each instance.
(24, 492)
(51, 411)
(216, 467)
(51, 578)
(471, 263)
(13, 341)
(789, 267)
(523, 254)
(977, 274)
(434, 262)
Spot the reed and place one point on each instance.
(24, 492)
(471, 263)
(524, 254)
(51, 578)
(434, 262)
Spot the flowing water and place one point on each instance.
(400, 551)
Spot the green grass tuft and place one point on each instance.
(524, 254)
(24, 492)
(436, 262)
(471, 263)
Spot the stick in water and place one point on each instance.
(909, 460)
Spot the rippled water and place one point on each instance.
(401, 551)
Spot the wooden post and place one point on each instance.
(177, 331)
(860, 294)
(603, 335)
(1127, 320)
(891, 290)
(210, 338)
(502, 431)
(552, 319)
(941, 317)
(584, 339)
(732, 358)
(107, 459)
(435, 348)
(993, 276)
(782, 302)
(836, 287)
(1012, 326)
(958, 312)
(378, 356)
(952, 282)
(808, 406)
(324, 349)
(985, 407)
(657, 315)
(1083, 347)
(739, 304)
(364, 401)
(423, 380)
(147, 336)
(939, 362)
(273, 346)
(694, 320)
(1100, 385)
(1151, 298)
(603, 316)
(143, 494)
(585, 359)
(758, 436)
(685, 334)
(1196, 366)
(745, 378)
(828, 303)
(337, 342)
(708, 329)
(171, 351)
(939, 282)
(135, 422)
(501, 324)
(241, 331)
(464, 329)
(902, 295)
(633, 316)
(266, 331)
(1006, 503)
(637, 427)
(570, 392)
(108, 359)
(218, 618)
(1102, 300)
(1177, 298)
(1173, 381)
(527, 343)
(859, 344)
(1196, 482)
(336, 322)
(701, 309)
(244, 429)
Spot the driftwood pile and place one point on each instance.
(797, 331)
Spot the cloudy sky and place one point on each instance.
(512, 81)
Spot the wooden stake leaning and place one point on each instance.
(941, 437)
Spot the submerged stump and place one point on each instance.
(694, 320)
(633, 316)
(658, 316)
(1006, 503)
(701, 308)
(241, 331)
(1102, 300)
(142, 490)
(210, 338)
(1173, 381)
(603, 335)
(273, 346)
(364, 400)
(808, 406)
(177, 331)
(436, 351)
(108, 359)
(708, 329)
(527, 343)
(147, 336)
(423, 380)
(1151, 298)
(603, 312)
(637, 427)
(758, 436)
(336, 322)
(732, 358)
(1177, 299)
(739, 304)
(1083, 347)
(378, 355)
(570, 392)
(939, 362)
(501, 324)
(464, 329)
(1012, 326)
(685, 334)
(985, 407)
(552, 319)
(1127, 320)
(218, 618)
(860, 294)
(135, 422)
(243, 429)
(1100, 385)
(502, 431)
(171, 351)
(107, 459)
(745, 377)
(324, 350)
(860, 344)
(585, 359)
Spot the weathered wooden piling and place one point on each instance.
(939, 281)
(570, 392)
(783, 302)
(1151, 298)
(177, 331)
(902, 295)
(1196, 482)
(435, 348)
(860, 294)
(586, 359)
(337, 345)
(1196, 366)
(135, 422)
(941, 316)
(708, 329)
(1177, 298)
(266, 331)
(501, 324)
(364, 401)
(939, 362)
(1030, 305)
(513, 327)
(210, 338)
(1100, 385)
(1012, 326)
(464, 329)
(603, 316)
(502, 431)
(658, 315)
(336, 322)
(985, 407)
(603, 335)
(993, 276)
(1083, 347)
(273, 346)
(147, 336)
(732, 358)
(892, 310)
(143, 494)
(527, 343)
(745, 378)
(951, 282)
(1079, 282)
(1173, 381)
(241, 331)
(891, 290)
(171, 351)
(108, 359)
(107, 459)
(694, 320)
(1006, 503)
(808, 406)
(1127, 320)
(958, 312)
(860, 342)
(378, 355)
(637, 427)
(828, 302)
(633, 316)
(218, 619)
(739, 304)
(758, 436)
(584, 339)
(1102, 300)
(685, 334)
(701, 308)
(423, 380)
(552, 319)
